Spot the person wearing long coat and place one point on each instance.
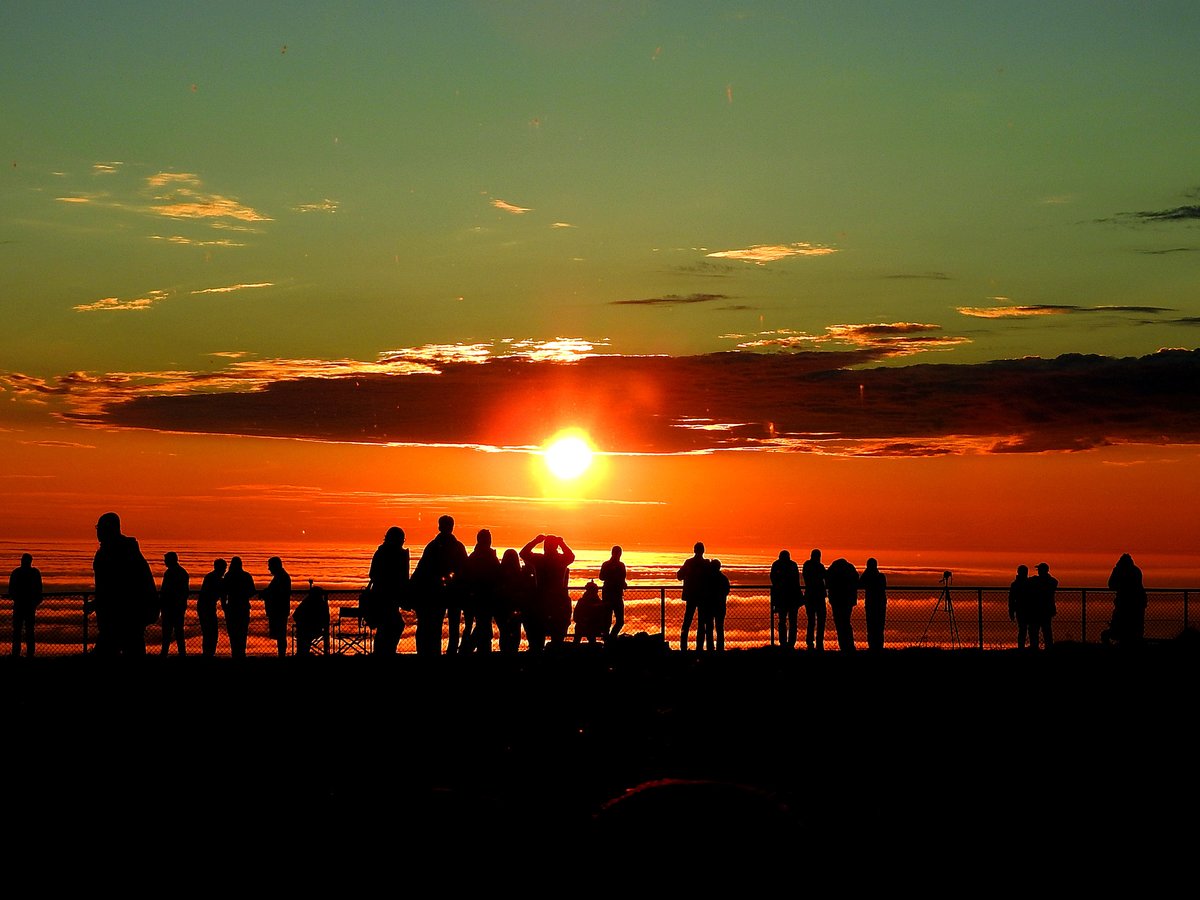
(389, 590)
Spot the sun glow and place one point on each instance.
(568, 455)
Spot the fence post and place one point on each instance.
(1185, 610)
(979, 607)
(662, 614)
(85, 623)
(1083, 615)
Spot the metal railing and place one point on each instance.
(974, 617)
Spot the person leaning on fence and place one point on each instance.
(1128, 625)
(613, 581)
(389, 591)
(212, 593)
(842, 581)
(125, 594)
(874, 585)
(238, 588)
(173, 593)
(1020, 604)
(785, 597)
(1042, 590)
(25, 591)
(813, 573)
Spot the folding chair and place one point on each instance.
(354, 635)
(318, 643)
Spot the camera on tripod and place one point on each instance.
(947, 577)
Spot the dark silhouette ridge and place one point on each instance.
(277, 603)
(437, 584)
(126, 597)
(25, 591)
(786, 597)
(813, 573)
(238, 589)
(874, 586)
(389, 580)
(173, 594)
(212, 594)
(613, 580)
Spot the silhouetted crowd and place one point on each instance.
(481, 597)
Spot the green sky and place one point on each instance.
(335, 181)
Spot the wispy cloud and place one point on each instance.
(183, 197)
(509, 207)
(180, 239)
(1060, 309)
(106, 168)
(123, 304)
(886, 340)
(671, 300)
(228, 289)
(561, 225)
(1175, 214)
(765, 253)
(326, 205)
(926, 276)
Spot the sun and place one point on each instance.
(568, 455)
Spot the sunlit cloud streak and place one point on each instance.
(326, 205)
(184, 199)
(765, 253)
(1032, 311)
(235, 287)
(180, 239)
(927, 276)
(117, 304)
(510, 208)
(888, 339)
(829, 401)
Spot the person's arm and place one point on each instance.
(527, 551)
(567, 554)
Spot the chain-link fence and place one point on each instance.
(937, 616)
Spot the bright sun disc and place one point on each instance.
(568, 457)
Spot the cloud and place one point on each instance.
(326, 205)
(814, 401)
(108, 168)
(184, 198)
(671, 300)
(887, 339)
(1177, 214)
(73, 199)
(118, 304)
(930, 276)
(765, 253)
(561, 225)
(1029, 312)
(235, 287)
(510, 208)
(708, 269)
(180, 239)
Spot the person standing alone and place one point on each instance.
(25, 591)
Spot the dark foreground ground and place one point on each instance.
(750, 768)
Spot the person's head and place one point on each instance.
(785, 555)
(1125, 560)
(698, 548)
(616, 552)
(274, 564)
(446, 524)
(219, 565)
(872, 563)
(108, 526)
(170, 557)
(27, 559)
(1043, 568)
(716, 564)
(395, 535)
(816, 554)
(511, 558)
(1022, 571)
(484, 538)
(235, 564)
(552, 541)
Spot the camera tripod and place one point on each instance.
(944, 602)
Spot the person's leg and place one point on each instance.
(689, 610)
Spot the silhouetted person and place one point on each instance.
(613, 581)
(389, 590)
(551, 576)
(720, 601)
(125, 593)
(874, 585)
(277, 603)
(436, 582)
(173, 593)
(238, 587)
(593, 617)
(692, 573)
(482, 587)
(785, 597)
(1020, 604)
(212, 592)
(1128, 625)
(1043, 587)
(841, 580)
(813, 573)
(25, 591)
(514, 597)
(312, 620)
